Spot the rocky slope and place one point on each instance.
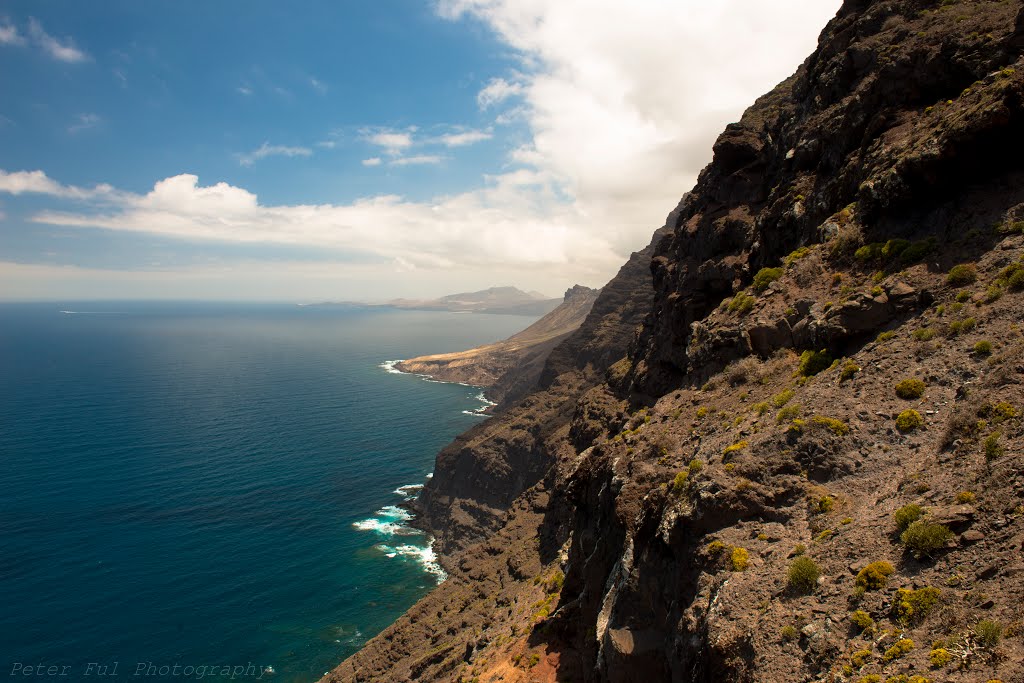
(807, 465)
(509, 368)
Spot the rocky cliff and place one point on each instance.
(510, 368)
(806, 466)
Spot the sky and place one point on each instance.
(310, 151)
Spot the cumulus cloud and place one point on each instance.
(268, 150)
(37, 182)
(393, 142)
(461, 139)
(624, 100)
(61, 51)
(372, 161)
(496, 91)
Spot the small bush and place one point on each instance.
(860, 658)
(924, 334)
(824, 504)
(813, 362)
(741, 303)
(885, 336)
(993, 294)
(803, 574)
(910, 389)
(863, 621)
(782, 398)
(680, 482)
(789, 632)
(983, 348)
(993, 449)
(963, 296)
(966, 497)
(963, 274)
(923, 539)
(909, 420)
(939, 657)
(987, 633)
(907, 515)
(761, 408)
(874, 576)
(790, 412)
(899, 649)
(799, 549)
(765, 277)
(912, 606)
(837, 427)
(962, 326)
(849, 370)
(715, 548)
(740, 559)
(734, 448)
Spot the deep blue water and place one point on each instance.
(208, 485)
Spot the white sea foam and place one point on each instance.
(388, 521)
(422, 555)
(409, 491)
(389, 366)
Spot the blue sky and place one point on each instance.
(351, 150)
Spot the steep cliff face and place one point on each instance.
(807, 467)
(477, 477)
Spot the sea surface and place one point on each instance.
(214, 486)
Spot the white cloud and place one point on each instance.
(84, 122)
(9, 35)
(63, 52)
(496, 91)
(464, 138)
(623, 100)
(418, 160)
(244, 90)
(394, 142)
(372, 161)
(37, 182)
(268, 150)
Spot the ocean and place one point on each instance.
(215, 485)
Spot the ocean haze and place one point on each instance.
(214, 484)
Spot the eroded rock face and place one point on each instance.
(594, 532)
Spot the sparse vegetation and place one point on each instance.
(782, 398)
(885, 336)
(742, 303)
(965, 497)
(849, 370)
(765, 277)
(993, 449)
(803, 574)
(910, 389)
(789, 632)
(734, 448)
(874, 576)
(983, 348)
(939, 657)
(961, 275)
(863, 621)
(923, 538)
(790, 412)
(987, 633)
(962, 326)
(899, 649)
(813, 362)
(837, 427)
(909, 420)
(907, 515)
(924, 334)
(740, 559)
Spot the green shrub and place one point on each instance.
(907, 515)
(910, 389)
(963, 296)
(765, 277)
(966, 497)
(863, 621)
(993, 449)
(734, 448)
(885, 336)
(1012, 277)
(860, 658)
(761, 408)
(813, 362)
(993, 294)
(837, 427)
(803, 574)
(961, 326)
(917, 250)
(909, 420)
(983, 348)
(680, 482)
(790, 412)
(740, 559)
(924, 334)
(782, 398)
(789, 632)
(899, 649)
(824, 504)
(923, 539)
(987, 633)
(741, 303)
(874, 576)
(963, 274)
(911, 606)
(849, 370)
(939, 657)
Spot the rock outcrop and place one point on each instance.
(806, 465)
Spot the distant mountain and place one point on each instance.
(498, 300)
(510, 367)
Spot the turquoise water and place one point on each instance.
(212, 485)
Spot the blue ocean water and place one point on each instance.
(211, 485)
